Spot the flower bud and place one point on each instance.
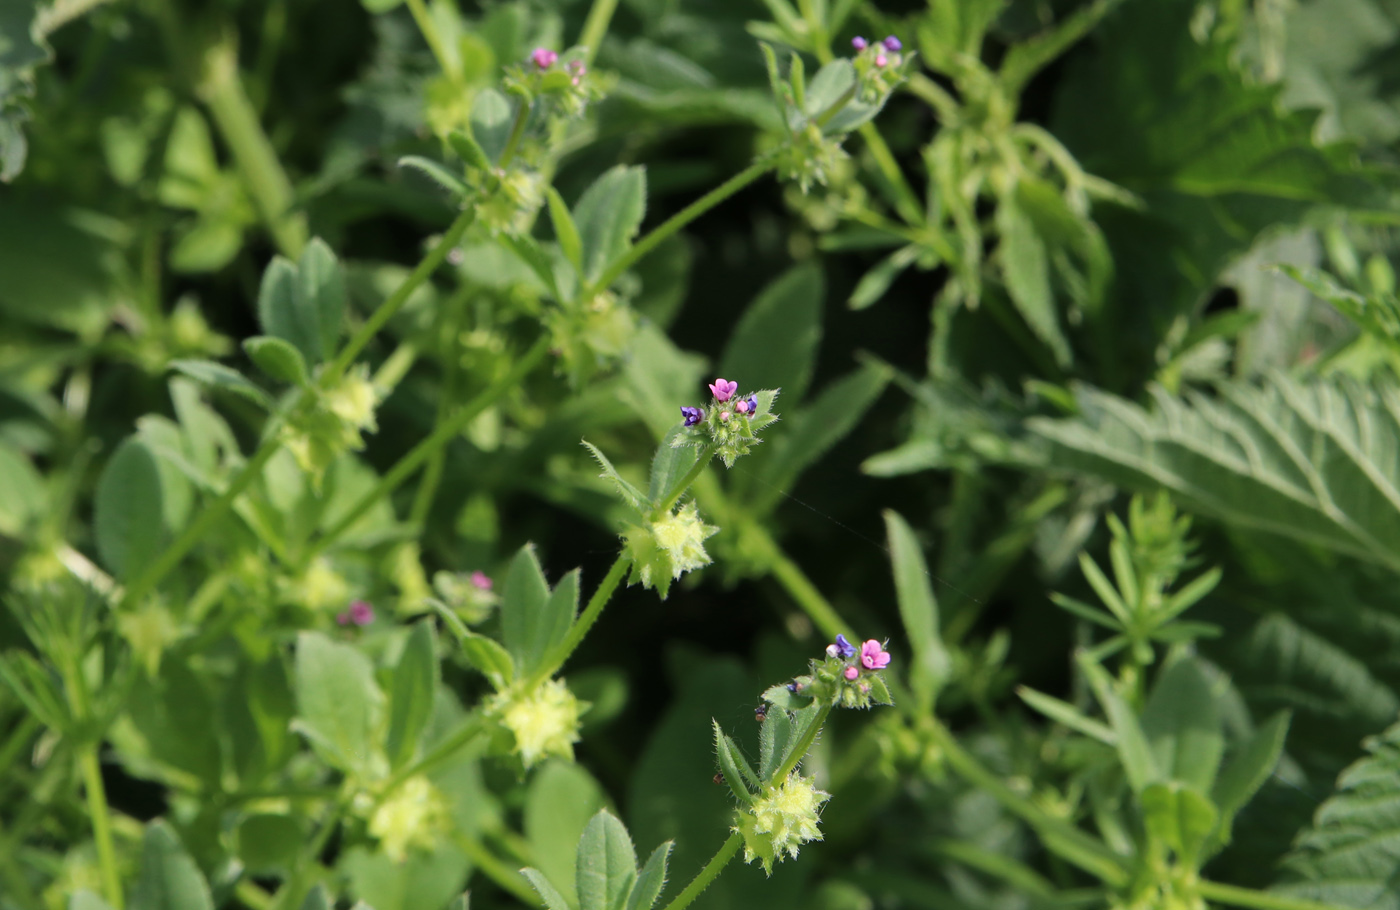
(412, 817)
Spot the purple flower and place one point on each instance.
(360, 613)
(692, 416)
(481, 581)
(723, 389)
(874, 656)
(892, 43)
(544, 57)
(859, 43)
(753, 405)
(844, 648)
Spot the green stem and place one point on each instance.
(1259, 900)
(147, 580)
(1057, 834)
(101, 826)
(396, 300)
(799, 751)
(430, 35)
(293, 892)
(580, 628)
(470, 729)
(517, 129)
(496, 870)
(420, 453)
(801, 589)
(664, 509)
(423, 498)
(673, 224)
(238, 124)
(708, 874)
(595, 27)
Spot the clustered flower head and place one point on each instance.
(781, 820)
(880, 67)
(332, 422)
(562, 80)
(665, 549)
(414, 816)
(544, 721)
(469, 596)
(729, 424)
(850, 675)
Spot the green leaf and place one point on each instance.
(491, 122)
(608, 216)
(268, 844)
(547, 892)
(630, 494)
(1067, 714)
(86, 900)
(774, 344)
(565, 231)
(317, 899)
(533, 621)
(1347, 857)
(561, 800)
(1182, 723)
(128, 509)
(493, 661)
(918, 608)
(874, 283)
(1306, 460)
(277, 358)
(22, 493)
(1025, 265)
(304, 303)
(411, 697)
(469, 150)
(651, 879)
(1248, 768)
(435, 172)
(736, 771)
(775, 740)
(169, 879)
(1179, 817)
(425, 878)
(1139, 766)
(1377, 315)
(669, 465)
(338, 702)
(607, 864)
(530, 253)
(826, 88)
(218, 376)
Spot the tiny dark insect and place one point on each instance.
(719, 778)
(760, 714)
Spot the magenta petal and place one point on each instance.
(874, 657)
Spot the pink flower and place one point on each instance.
(360, 613)
(873, 656)
(723, 389)
(850, 672)
(481, 581)
(544, 57)
(880, 60)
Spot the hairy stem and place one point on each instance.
(1258, 900)
(395, 301)
(708, 874)
(238, 124)
(595, 27)
(101, 825)
(445, 433)
(587, 618)
(673, 224)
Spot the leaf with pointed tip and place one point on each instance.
(524, 604)
(169, 879)
(317, 899)
(217, 376)
(918, 608)
(774, 344)
(565, 230)
(547, 892)
(651, 879)
(607, 864)
(277, 358)
(411, 697)
(774, 739)
(1182, 724)
(338, 701)
(630, 494)
(669, 464)
(1248, 768)
(436, 173)
(736, 771)
(1139, 766)
(608, 216)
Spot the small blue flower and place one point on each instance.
(692, 416)
(892, 43)
(859, 43)
(753, 405)
(844, 647)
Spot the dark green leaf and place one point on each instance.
(128, 510)
(491, 122)
(169, 879)
(411, 698)
(608, 216)
(558, 805)
(22, 493)
(669, 465)
(1248, 768)
(269, 844)
(565, 231)
(438, 174)
(650, 880)
(1182, 723)
(774, 344)
(469, 150)
(774, 741)
(218, 376)
(736, 771)
(526, 621)
(277, 358)
(1025, 265)
(630, 494)
(918, 609)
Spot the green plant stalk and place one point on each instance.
(496, 870)
(423, 498)
(708, 874)
(440, 437)
(238, 124)
(595, 27)
(293, 891)
(1258, 900)
(1056, 834)
(679, 489)
(670, 226)
(101, 825)
(471, 728)
(395, 301)
(801, 589)
(517, 129)
(12, 876)
(430, 35)
(556, 658)
(147, 580)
